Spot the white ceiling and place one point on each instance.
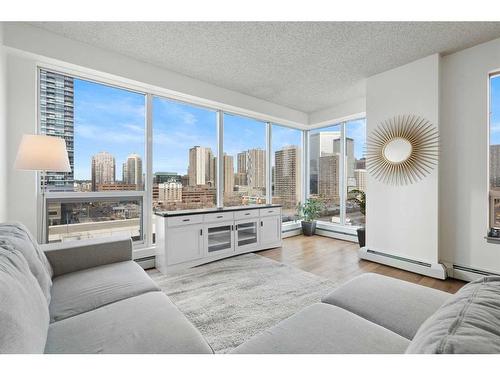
(306, 66)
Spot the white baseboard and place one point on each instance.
(436, 270)
(336, 235)
(469, 274)
(291, 233)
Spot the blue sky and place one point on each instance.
(495, 111)
(113, 120)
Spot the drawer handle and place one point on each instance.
(220, 217)
(186, 219)
(270, 211)
(248, 213)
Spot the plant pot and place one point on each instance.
(361, 237)
(308, 228)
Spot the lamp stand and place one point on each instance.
(43, 177)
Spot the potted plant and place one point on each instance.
(308, 213)
(359, 197)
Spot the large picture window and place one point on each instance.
(337, 169)
(286, 169)
(494, 151)
(133, 153)
(244, 161)
(325, 164)
(104, 129)
(184, 156)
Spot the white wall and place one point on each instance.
(403, 220)
(463, 181)
(21, 117)
(3, 130)
(351, 109)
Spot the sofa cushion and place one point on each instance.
(467, 323)
(18, 236)
(324, 329)
(24, 314)
(149, 323)
(77, 292)
(394, 304)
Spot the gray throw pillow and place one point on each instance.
(469, 322)
(24, 313)
(18, 237)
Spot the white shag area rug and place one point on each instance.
(233, 299)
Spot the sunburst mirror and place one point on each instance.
(402, 150)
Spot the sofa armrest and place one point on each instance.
(66, 257)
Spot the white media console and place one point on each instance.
(190, 238)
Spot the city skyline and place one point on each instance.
(113, 120)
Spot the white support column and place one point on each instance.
(269, 175)
(220, 159)
(147, 203)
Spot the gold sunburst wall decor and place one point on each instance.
(402, 150)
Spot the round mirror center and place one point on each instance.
(397, 150)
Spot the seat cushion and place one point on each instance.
(149, 323)
(18, 236)
(24, 314)
(324, 329)
(394, 304)
(77, 292)
(467, 323)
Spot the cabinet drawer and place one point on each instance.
(270, 211)
(218, 216)
(184, 220)
(247, 214)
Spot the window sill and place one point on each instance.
(494, 240)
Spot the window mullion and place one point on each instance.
(305, 180)
(220, 160)
(269, 177)
(342, 174)
(147, 209)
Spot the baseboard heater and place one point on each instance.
(470, 274)
(435, 270)
(146, 262)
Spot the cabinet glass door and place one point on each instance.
(219, 239)
(247, 233)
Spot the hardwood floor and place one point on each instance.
(338, 261)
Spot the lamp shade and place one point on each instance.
(42, 153)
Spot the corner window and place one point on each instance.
(494, 157)
(337, 171)
(286, 169)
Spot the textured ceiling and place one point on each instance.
(306, 66)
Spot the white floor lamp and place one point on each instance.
(44, 154)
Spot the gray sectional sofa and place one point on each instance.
(377, 314)
(90, 297)
(84, 298)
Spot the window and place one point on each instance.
(94, 217)
(337, 169)
(244, 161)
(325, 169)
(104, 129)
(113, 187)
(355, 170)
(495, 151)
(286, 169)
(184, 156)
